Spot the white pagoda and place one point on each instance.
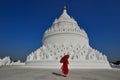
(66, 37)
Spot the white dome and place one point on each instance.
(65, 30)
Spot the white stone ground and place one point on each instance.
(21, 73)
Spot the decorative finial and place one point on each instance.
(65, 7)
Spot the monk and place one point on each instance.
(64, 67)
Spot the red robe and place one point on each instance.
(65, 68)
(65, 62)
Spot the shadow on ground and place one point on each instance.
(58, 74)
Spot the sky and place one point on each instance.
(23, 23)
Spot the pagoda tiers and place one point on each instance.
(66, 37)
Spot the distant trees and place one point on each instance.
(116, 63)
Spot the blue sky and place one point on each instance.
(23, 22)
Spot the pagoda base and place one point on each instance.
(72, 64)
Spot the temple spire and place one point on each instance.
(65, 7)
(64, 14)
(65, 10)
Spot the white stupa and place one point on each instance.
(66, 37)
